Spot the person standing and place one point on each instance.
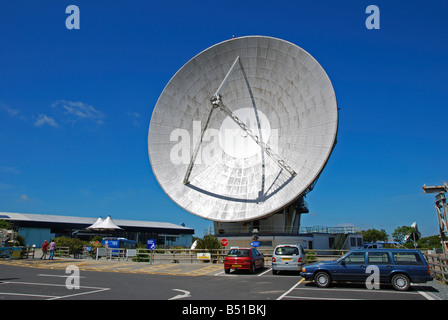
(44, 249)
(51, 248)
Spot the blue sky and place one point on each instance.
(75, 105)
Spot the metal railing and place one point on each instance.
(241, 230)
(200, 255)
(438, 264)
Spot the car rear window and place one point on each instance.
(410, 258)
(286, 251)
(238, 253)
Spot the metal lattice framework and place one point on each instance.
(442, 212)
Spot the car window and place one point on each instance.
(409, 258)
(355, 258)
(286, 251)
(238, 253)
(378, 258)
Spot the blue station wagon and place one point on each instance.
(399, 267)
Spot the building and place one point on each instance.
(36, 228)
(284, 227)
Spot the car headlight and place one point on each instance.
(303, 269)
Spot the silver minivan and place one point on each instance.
(288, 257)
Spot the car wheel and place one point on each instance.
(252, 269)
(400, 282)
(274, 271)
(227, 270)
(322, 279)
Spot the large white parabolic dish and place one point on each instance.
(283, 96)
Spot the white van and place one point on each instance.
(288, 257)
(371, 246)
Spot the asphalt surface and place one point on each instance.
(35, 279)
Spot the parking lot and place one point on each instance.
(109, 280)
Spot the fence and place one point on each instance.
(17, 252)
(197, 255)
(438, 265)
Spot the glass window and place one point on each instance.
(359, 242)
(287, 251)
(355, 258)
(409, 258)
(378, 258)
(238, 253)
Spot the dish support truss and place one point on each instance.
(442, 212)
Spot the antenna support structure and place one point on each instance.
(442, 212)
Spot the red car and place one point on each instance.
(243, 259)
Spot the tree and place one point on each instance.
(373, 235)
(4, 224)
(208, 242)
(401, 232)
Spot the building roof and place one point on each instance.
(31, 219)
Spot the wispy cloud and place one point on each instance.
(135, 117)
(43, 120)
(10, 111)
(10, 169)
(24, 197)
(74, 111)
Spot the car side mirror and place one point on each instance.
(342, 262)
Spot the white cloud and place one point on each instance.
(12, 112)
(136, 117)
(45, 120)
(74, 111)
(9, 169)
(24, 197)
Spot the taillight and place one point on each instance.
(273, 259)
(300, 260)
(428, 270)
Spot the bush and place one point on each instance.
(73, 244)
(311, 256)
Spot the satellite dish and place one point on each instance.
(243, 129)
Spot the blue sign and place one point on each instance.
(255, 243)
(151, 244)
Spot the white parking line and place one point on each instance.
(95, 290)
(269, 269)
(355, 290)
(26, 294)
(428, 295)
(292, 288)
(80, 294)
(59, 276)
(288, 295)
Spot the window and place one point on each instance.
(378, 258)
(330, 242)
(287, 251)
(355, 258)
(359, 242)
(407, 258)
(238, 253)
(353, 242)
